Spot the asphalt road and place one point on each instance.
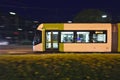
(16, 49)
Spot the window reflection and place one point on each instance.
(83, 37)
(48, 45)
(37, 37)
(99, 37)
(67, 36)
(55, 36)
(48, 36)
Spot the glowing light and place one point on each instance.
(8, 37)
(16, 33)
(36, 21)
(104, 16)
(4, 43)
(99, 32)
(19, 29)
(12, 13)
(69, 21)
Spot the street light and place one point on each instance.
(19, 29)
(69, 21)
(104, 16)
(12, 13)
(36, 21)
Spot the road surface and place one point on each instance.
(16, 49)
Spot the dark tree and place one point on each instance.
(92, 16)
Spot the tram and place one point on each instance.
(77, 37)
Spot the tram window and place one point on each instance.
(67, 37)
(83, 37)
(37, 37)
(99, 37)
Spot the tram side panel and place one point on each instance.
(118, 37)
(89, 47)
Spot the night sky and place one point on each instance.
(56, 10)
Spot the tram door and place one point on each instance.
(51, 41)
